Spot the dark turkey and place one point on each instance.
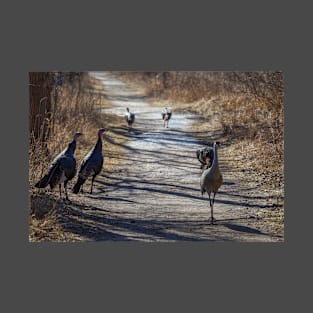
(92, 164)
(62, 169)
(166, 116)
(205, 157)
(129, 118)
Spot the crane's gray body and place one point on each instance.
(211, 180)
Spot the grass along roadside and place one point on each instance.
(255, 162)
(47, 211)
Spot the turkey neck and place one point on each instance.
(98, 146)
(71, 147)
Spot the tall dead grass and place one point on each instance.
(75, 111)
(78, 108)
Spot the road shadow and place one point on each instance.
(244, 229)
(108, 227)
(131, 185)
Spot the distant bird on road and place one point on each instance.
(62, 168)
(166, 116)
(205, 157)
(92, 163)
(130, 118)
(211, 180)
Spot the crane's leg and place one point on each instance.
(210, 201)
(214, 196)
(212, 218)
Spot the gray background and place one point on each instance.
(144, 35)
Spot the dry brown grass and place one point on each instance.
(74, 114)
(45, 223)
(254, 147)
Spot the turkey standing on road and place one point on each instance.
(62, 168)
(205, 157)
(166, 116)
(211, 180)
(130, 118)
(92, 164)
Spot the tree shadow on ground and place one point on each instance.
(160, 188)
(241, 228)
(114, 228)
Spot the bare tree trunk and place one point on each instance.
(40, 105)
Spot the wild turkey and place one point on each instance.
(166, 116)
(62, 168)
(205, 157)
(92, 164)
(129, 118)
(211, 180)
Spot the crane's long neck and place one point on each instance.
(215, 159)
(71, 148)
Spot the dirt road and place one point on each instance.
(154, 193)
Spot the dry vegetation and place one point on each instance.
(243, 109)
(75, 106)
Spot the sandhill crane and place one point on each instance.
(62, 169)
(205, 157)
(211, 180)
(130, 118)
(166, 116)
